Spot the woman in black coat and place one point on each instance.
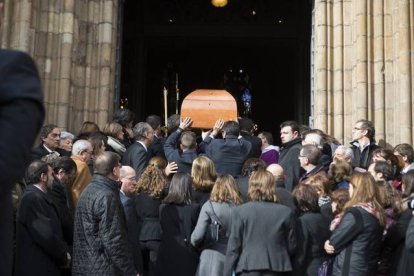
(312, 232)
(357, 238)
(178, 217)
(151, 188)
(262, 237)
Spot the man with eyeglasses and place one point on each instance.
(100, 241)
(128, 190)
(363, 144)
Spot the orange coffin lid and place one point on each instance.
(205, 107)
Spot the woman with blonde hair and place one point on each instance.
(203, 173)
(357, 239)
(151, 189)
(224, 197)
(262, 237)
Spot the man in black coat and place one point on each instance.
(100, 240)
(40, 248)
(127, 196)
(50, 136)
(229, 153)
(289, 153)
(363, 144)
(246, 131)
(284, 197)
(64, 169)
(157, 146)
(184, 156)
(21, 116)
(137, 155)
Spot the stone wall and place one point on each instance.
(364, 67)
(73, 43)
(363, 63)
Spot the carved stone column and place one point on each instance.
(73, 43)
(363, 67)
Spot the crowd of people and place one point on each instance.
(145, 199)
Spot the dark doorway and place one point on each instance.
(269, 40)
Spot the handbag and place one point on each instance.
(213, 230)
(326, 267)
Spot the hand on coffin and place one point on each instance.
(217, 127)
(185, 123)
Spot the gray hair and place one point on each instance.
(140, 130)
(347, 150)
(314, 139)
(80, 145)
(66, 135)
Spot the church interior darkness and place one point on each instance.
(261, 45)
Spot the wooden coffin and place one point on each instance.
(205, 107)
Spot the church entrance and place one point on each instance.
(259, 48)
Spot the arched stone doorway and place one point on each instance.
(268, 40)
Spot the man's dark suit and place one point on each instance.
(40, 248)
(137, 157)
(133, 229)
(40, 151)
(256, 149)
(227, 154)
(185, 159)
(157, 148)
(21, 116)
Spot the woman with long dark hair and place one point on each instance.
(178, 217)
(312, 231)
(357, 239)
(262, 237)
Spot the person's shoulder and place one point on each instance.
(11, 56)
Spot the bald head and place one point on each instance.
(128, 179)
(277, 172)
(126, 171)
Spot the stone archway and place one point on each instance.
(363, 63)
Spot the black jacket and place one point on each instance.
(148, 210)
(395, 257)
(357, 241)
(59, 196)
(133, 228)
(40, 151)
(185, 159)
(288, 159)
(256, 149)
(176, 255)
(40, 248)
(362, 159)
(21, 116)
(227, 154)
(261, 242)
(136, 157)
(100, 241)
(312, 232)
(157, 148)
